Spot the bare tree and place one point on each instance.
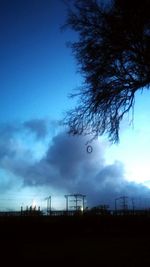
(113, 56)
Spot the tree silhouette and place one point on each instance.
(113, 56)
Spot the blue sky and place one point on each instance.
(34, 60)
(38, 72)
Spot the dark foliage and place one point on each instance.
(113, 55)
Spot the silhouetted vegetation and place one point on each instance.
(113, 56)
(100, 240)
(80, 236)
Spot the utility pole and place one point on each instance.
(124, 203)
(49, 205)
(116, 204)
(83, 200)
(133, 205)
(78, 199)
(67, 202)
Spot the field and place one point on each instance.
(76, 240)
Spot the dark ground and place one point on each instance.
(75, 241)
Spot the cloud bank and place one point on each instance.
(63, 164)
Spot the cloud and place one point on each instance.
(16, 152)
(68, 166)
(65, 166)
(37, 126)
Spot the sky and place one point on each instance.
(37, 157)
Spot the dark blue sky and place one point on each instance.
(37, 70)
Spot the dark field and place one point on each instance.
(76, 240)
